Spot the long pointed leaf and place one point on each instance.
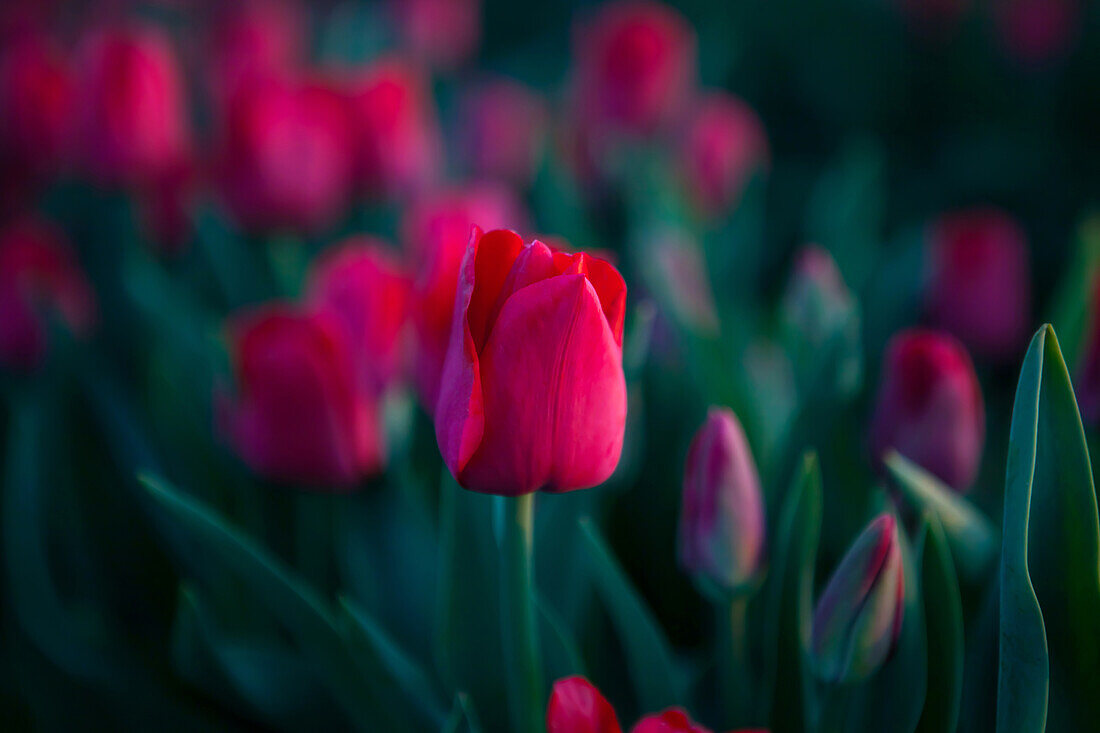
(943, 618)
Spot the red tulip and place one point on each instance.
(35, 104)
(576, 706)
(672, 720)
(253, 39)
(38, 273)
(131, 114)
(301, 415)
(980, 285)
(398, 145)
(504, 124)
(635, 65)
(436, 230)
(533, 395)
(285, 160)
(365, 288)
(443, 33)
(725, 144)
(1036, 31)
(930, 407)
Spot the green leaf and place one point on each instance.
(303, 614)
(788, 679)
(649, 656)
(1050, 587)
(970, 535)
(463, 718)
(943, 620)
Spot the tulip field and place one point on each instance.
(595, 366)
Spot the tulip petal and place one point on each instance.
(576, 706)
(609, 285)
(555, 398)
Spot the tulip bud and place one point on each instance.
(818, 308)
(250, 40)
(724, 145)
(634, 65)
(858, 618)
(300, 414)
(442, 33)
(533, 395)
(722, 514)
(435, 231)
(364, 287)
(398, 143)
(672, 720)
(930, 407)
(35, 105)
(131, 113)
(285, 158)
(504, 124)
(980, 284)
(38, 274)
(576, 706)
(1037, 31)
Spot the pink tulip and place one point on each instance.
(980, 282)
(36, 89)
(435, 231)
(635, 66)
(533, 395)
(365, 288)
(397, 136)
(672, 720)
(286, 155)
(39, 275)
(930, 407)
(131, 113)
(722, 512)
(300, 414)
(724, 145)
(576, 706)
(504, 124)
(442, 33)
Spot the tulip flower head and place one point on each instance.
(673, 720)
(858, 618)
(576, 706)
(39, 276)
(930, 407)
(36, 89)
(980, 282)
(301, 415)
(722, 514)
(533, 395)
(724, 145)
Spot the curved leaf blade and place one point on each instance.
(943, 620)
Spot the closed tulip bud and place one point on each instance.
(397, 137)
(723, 146)
(634, 66)
(131, 114)
(576, 706)
(504, 124)
(980, 281)
(364, 287)
(722, 512)
(253, 39)
(533, 395)
(930, 407)
(858, 618)
(35, 105)
(39, 277)
(286, 155)
(300, 414)
(1034, 32)
(673, 720)
(442, 33)
(435, 231)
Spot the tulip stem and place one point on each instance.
(521, 648)
(834, 709)
(733, 665)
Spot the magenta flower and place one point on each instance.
(723, 146)
(576, 706)
(503, 129)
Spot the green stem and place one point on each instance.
(734, 674)
(521, 648)
(835, 704)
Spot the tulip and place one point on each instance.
(504, 124)
(1036, 31)
(724, 145)
(35, 104)
(858, 618)
(301, 415)
(533, 395)
(436, 230)
(285, 159)
(39, 275)
(365, 288)
(253, 39)
(576, 706)
(398, 145)
(635, 66)
(722, 514)
(980, 284)
(131, 115)
(930, 408)
(672, 720)
(442, 33)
